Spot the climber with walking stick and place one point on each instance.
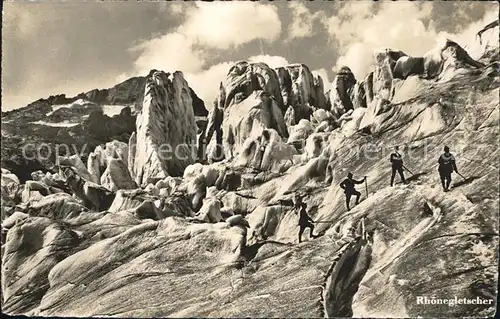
(366, 187)
(305, 221)
(446, 167)
(348, 186)
(397, 165)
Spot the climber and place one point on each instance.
(446, 167)
(397, 165)
(349, 190)
(305, 221)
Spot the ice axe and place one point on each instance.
(366, 187)
(461, 175)
(408, 170)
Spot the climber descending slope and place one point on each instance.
(349, 190)
(446, 166)
(397, 165)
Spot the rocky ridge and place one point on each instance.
(82, 122)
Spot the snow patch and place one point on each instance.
(61, 124)
(112, 110)
(62, 106)
(109, 110)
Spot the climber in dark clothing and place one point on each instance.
(397, 165)
(349, 190)
(305, 221)
(446, 167)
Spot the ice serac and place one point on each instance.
(454, 59)
(385, 60)
(116, 176)
(244, 78)
(341, 91)
(319, 92)
(249, 118)
(303, 90)
(97, 162)
(165, 129)
(34, 245)
(285, 82)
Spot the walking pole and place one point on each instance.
(408, 170)
(366, 187)
(461, 175)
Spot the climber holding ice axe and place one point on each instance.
(348, 186)
(397, 165)
(305, 221)
(446, 166)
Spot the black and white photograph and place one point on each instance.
(250, 159)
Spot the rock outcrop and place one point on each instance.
(165, 142)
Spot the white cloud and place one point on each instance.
(223, 25)
(206, 83)
(170, 52)
(467, 37)
(303, 20)
(175, 7)
(324, 76)
(358, 30)
(208, 26)
(272, 61)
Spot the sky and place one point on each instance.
(71, 47)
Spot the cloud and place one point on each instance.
(303, 20)
(170, 52)
(467, 36)
(72, 47)
(360, 28)
(175, 7)
(206, 83)
(273, 61)
(209, 28)
(223, 25)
